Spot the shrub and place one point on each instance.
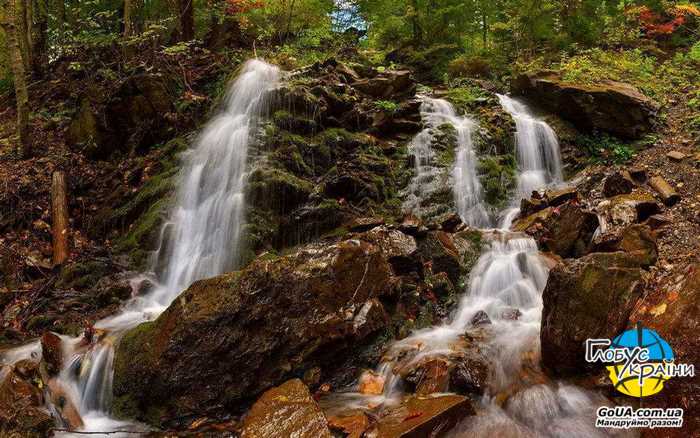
(469, 66)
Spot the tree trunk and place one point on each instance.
(289, 21)
(59, 211)
(128, 21)
(21, 29)
(9, 22)
(60, 7)
(186, 11)
(39, 39)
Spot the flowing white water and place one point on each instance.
(200, 240)
(539, 160)
(468, 192)
(506, 283)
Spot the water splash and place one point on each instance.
(468, 193)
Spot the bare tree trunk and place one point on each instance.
(60, 7)
(9, 23)
(21, 29)
(39, 38)
(289, 21)
(186, 11)
(59, 211)
(128, 23)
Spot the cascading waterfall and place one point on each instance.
(506, 284)
(539, 160)
(200, 240)
(468, 192)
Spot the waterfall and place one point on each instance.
(200, 240)
(468, 193)
(506, 283)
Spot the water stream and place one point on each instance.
(468, 192)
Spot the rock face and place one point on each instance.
(236, 335)
(590, 297)
(285, 411)
(615, 107)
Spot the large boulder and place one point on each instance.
(134, 116)
(590, 297)
(615, 107)
(231, 337)
(672, 309)
(566, 230)
(285, 411)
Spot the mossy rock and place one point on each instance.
(498, 178)
(277, 190)
(82, 275)
(294, 123)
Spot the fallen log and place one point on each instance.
(667, 192)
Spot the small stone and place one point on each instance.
(638, 175)
(676, 156)
(656, 221)
(617, 184)
(480, 318)
(371, 383)
(52, 352)
(361, 224)
(352, 424)
(511, 314)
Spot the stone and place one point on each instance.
(638, 175)
(390, 83)
(618, 184)
(411, 225)
(529, 206)
(285, 411)
(676, 156)
(399, 248)
(610, 106)
(566, 230)
(22, 410)
(351, 424)
(439, 247)
(52, 352)
(665, 190)
(422, 416)
(480, 318)
(360, 224)
(254, 329)
(589, 297)
(452, 223)
(657, 221)
(556, 197)
(512, 314)
(371, 383)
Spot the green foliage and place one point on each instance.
(606, 148)
(386, 106)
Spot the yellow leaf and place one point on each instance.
(658, 310)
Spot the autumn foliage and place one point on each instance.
(659, 24)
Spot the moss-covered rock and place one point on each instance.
(497, 175)
(277, 190)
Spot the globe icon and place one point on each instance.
(658, 351)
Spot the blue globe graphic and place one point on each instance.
(656, 346)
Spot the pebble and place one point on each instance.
(676, 156)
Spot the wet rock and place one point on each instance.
(469, 376)
(632, 208)
(422, 416)
(452, 223)
(433, 376)
(399, 248)
(529, 206)
(27, 369)
(566, 230)
(350, 424)
(250, 330)
(615, 107)
(285, 411)
(665, 190)
(361, 224)
(277, 190)
(590, 297)
(371, 383)
(21, 407)
(512, 314)
(480, 318)
(618, 184)
(439, 247)
(52, 353)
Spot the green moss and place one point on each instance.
(277, 190)
(81, 275)
(497, 175)
(143, 232)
